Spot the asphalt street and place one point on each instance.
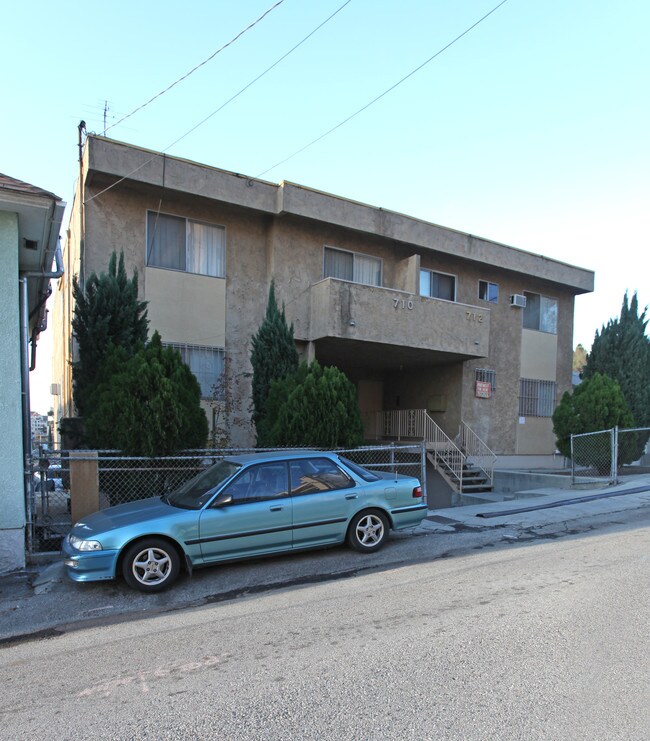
(505, 634)
(44, 602)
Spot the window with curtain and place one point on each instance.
(181, 244)
(540, 313)
(437, 285)
(205, 362)
(352, 266)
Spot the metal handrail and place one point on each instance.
(477, 451)
(417, 423)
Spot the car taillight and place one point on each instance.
(417, 492)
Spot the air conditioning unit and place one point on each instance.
(518, 300)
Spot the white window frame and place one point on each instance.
(187, 221)
(438, 272)
(541, 327)
(488, 283)
(354, 256)
(183, 349)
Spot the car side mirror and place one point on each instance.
(222, 499)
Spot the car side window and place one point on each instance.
(259, 483)
(311, 475)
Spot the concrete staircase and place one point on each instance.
(466, 463)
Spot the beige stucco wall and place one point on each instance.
(372, 314)
(61, 324)
(538, 361)
(535, 436)
(538, 355)
(186, 308)
(279, 232)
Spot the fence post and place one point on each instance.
(84, 484)
(423, 467)
(573, 464)
(392, 458)
(613, 479)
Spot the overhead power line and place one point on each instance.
(223, 105)
(379, 97)
(198, 66)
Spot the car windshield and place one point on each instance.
(363, 473)
(193, 494)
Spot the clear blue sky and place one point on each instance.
(532, 130)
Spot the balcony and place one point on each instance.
(340, 310)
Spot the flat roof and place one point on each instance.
(138, 165)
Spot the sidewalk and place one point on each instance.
(542, 507)
(42, 601)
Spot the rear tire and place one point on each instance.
(368, 531)
(151, 565)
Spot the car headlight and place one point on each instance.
(84, 545)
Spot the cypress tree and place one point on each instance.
(314, 407)
(107, 314)
(621, 350)
(273, 357)
(596, 404)
(148, 404)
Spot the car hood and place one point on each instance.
(123, 515)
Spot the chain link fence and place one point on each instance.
(607, 455)
(122, 479)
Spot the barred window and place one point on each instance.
(487, 376)
(205, 362)
(536, 398)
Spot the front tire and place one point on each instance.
(151, 565)
(368, 531)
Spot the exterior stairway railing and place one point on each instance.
(477, 452)
(446, 456)
(449, 457)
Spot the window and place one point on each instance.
(536, 398)
(437, 285)
(488, 291)
(540, 313)
(352, 266)
(180, 244)
(312, 475)
(484, 375)
(259, 483)
(205, 362)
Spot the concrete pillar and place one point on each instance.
(84, 484)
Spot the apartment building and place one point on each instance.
(419, 316)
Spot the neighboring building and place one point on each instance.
(418, 316)
(30, 220)
(41, 430)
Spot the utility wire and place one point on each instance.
(198, 66)
(223, 105)
(379, 97)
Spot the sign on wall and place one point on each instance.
(483, 389)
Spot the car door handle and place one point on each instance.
(275, 509)
(351, 496)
